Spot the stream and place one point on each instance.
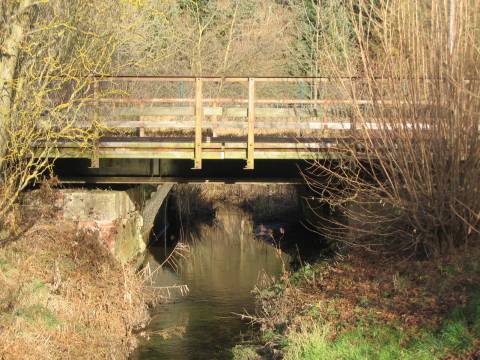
(224, 262)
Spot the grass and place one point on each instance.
(457, 336)
(361, 307)
(244, 353)
(38, 314)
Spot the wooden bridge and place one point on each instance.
(152, 125)
(213, 118)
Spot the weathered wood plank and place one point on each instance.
(226, 111)
(150, 111)
(274, 124)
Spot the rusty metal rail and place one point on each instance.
(145, 104)
(119, 107)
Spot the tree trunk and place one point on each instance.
(9, 52)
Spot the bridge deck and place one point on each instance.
(218, 148)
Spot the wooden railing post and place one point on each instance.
(94, 158)
(251, 124)
(198, 123)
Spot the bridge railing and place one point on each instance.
(244, 109)
(237, 107)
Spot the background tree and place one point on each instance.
(50, 50)
(15, 18)
(324, 38)
(212, 38)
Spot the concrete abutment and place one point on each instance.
(122, 219)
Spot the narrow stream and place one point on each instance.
(224, 263)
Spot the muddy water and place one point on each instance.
(225, 262)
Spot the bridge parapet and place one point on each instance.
(213, 117)
(247, 118)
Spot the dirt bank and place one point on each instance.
(263, 201)
(63, 296)
(360, 306)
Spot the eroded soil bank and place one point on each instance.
(63, 296)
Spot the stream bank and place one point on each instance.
(63, 295)
(238, 237)
(359, 306)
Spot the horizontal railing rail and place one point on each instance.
(249, 104)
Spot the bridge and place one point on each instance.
(156, 131)
(158, 128)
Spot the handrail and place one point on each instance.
(196, 101)
(257, 101)
(192, 78)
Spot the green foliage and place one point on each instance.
(364, 302)
(455, 336)
(474, 315)
(244, 353)
(38, 314)
(447, 270)
(304, 273)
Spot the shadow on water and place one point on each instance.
(228, 256)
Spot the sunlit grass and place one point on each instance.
(457, 335)
(244, 353)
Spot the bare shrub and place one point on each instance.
(408, 180)
(50, 50)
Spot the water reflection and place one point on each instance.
(225, 263)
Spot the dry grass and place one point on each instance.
(412, 293)
(358, 294)
(63, 296)
(264, 201)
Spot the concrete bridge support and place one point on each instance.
(122, 220)
(151, 206)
